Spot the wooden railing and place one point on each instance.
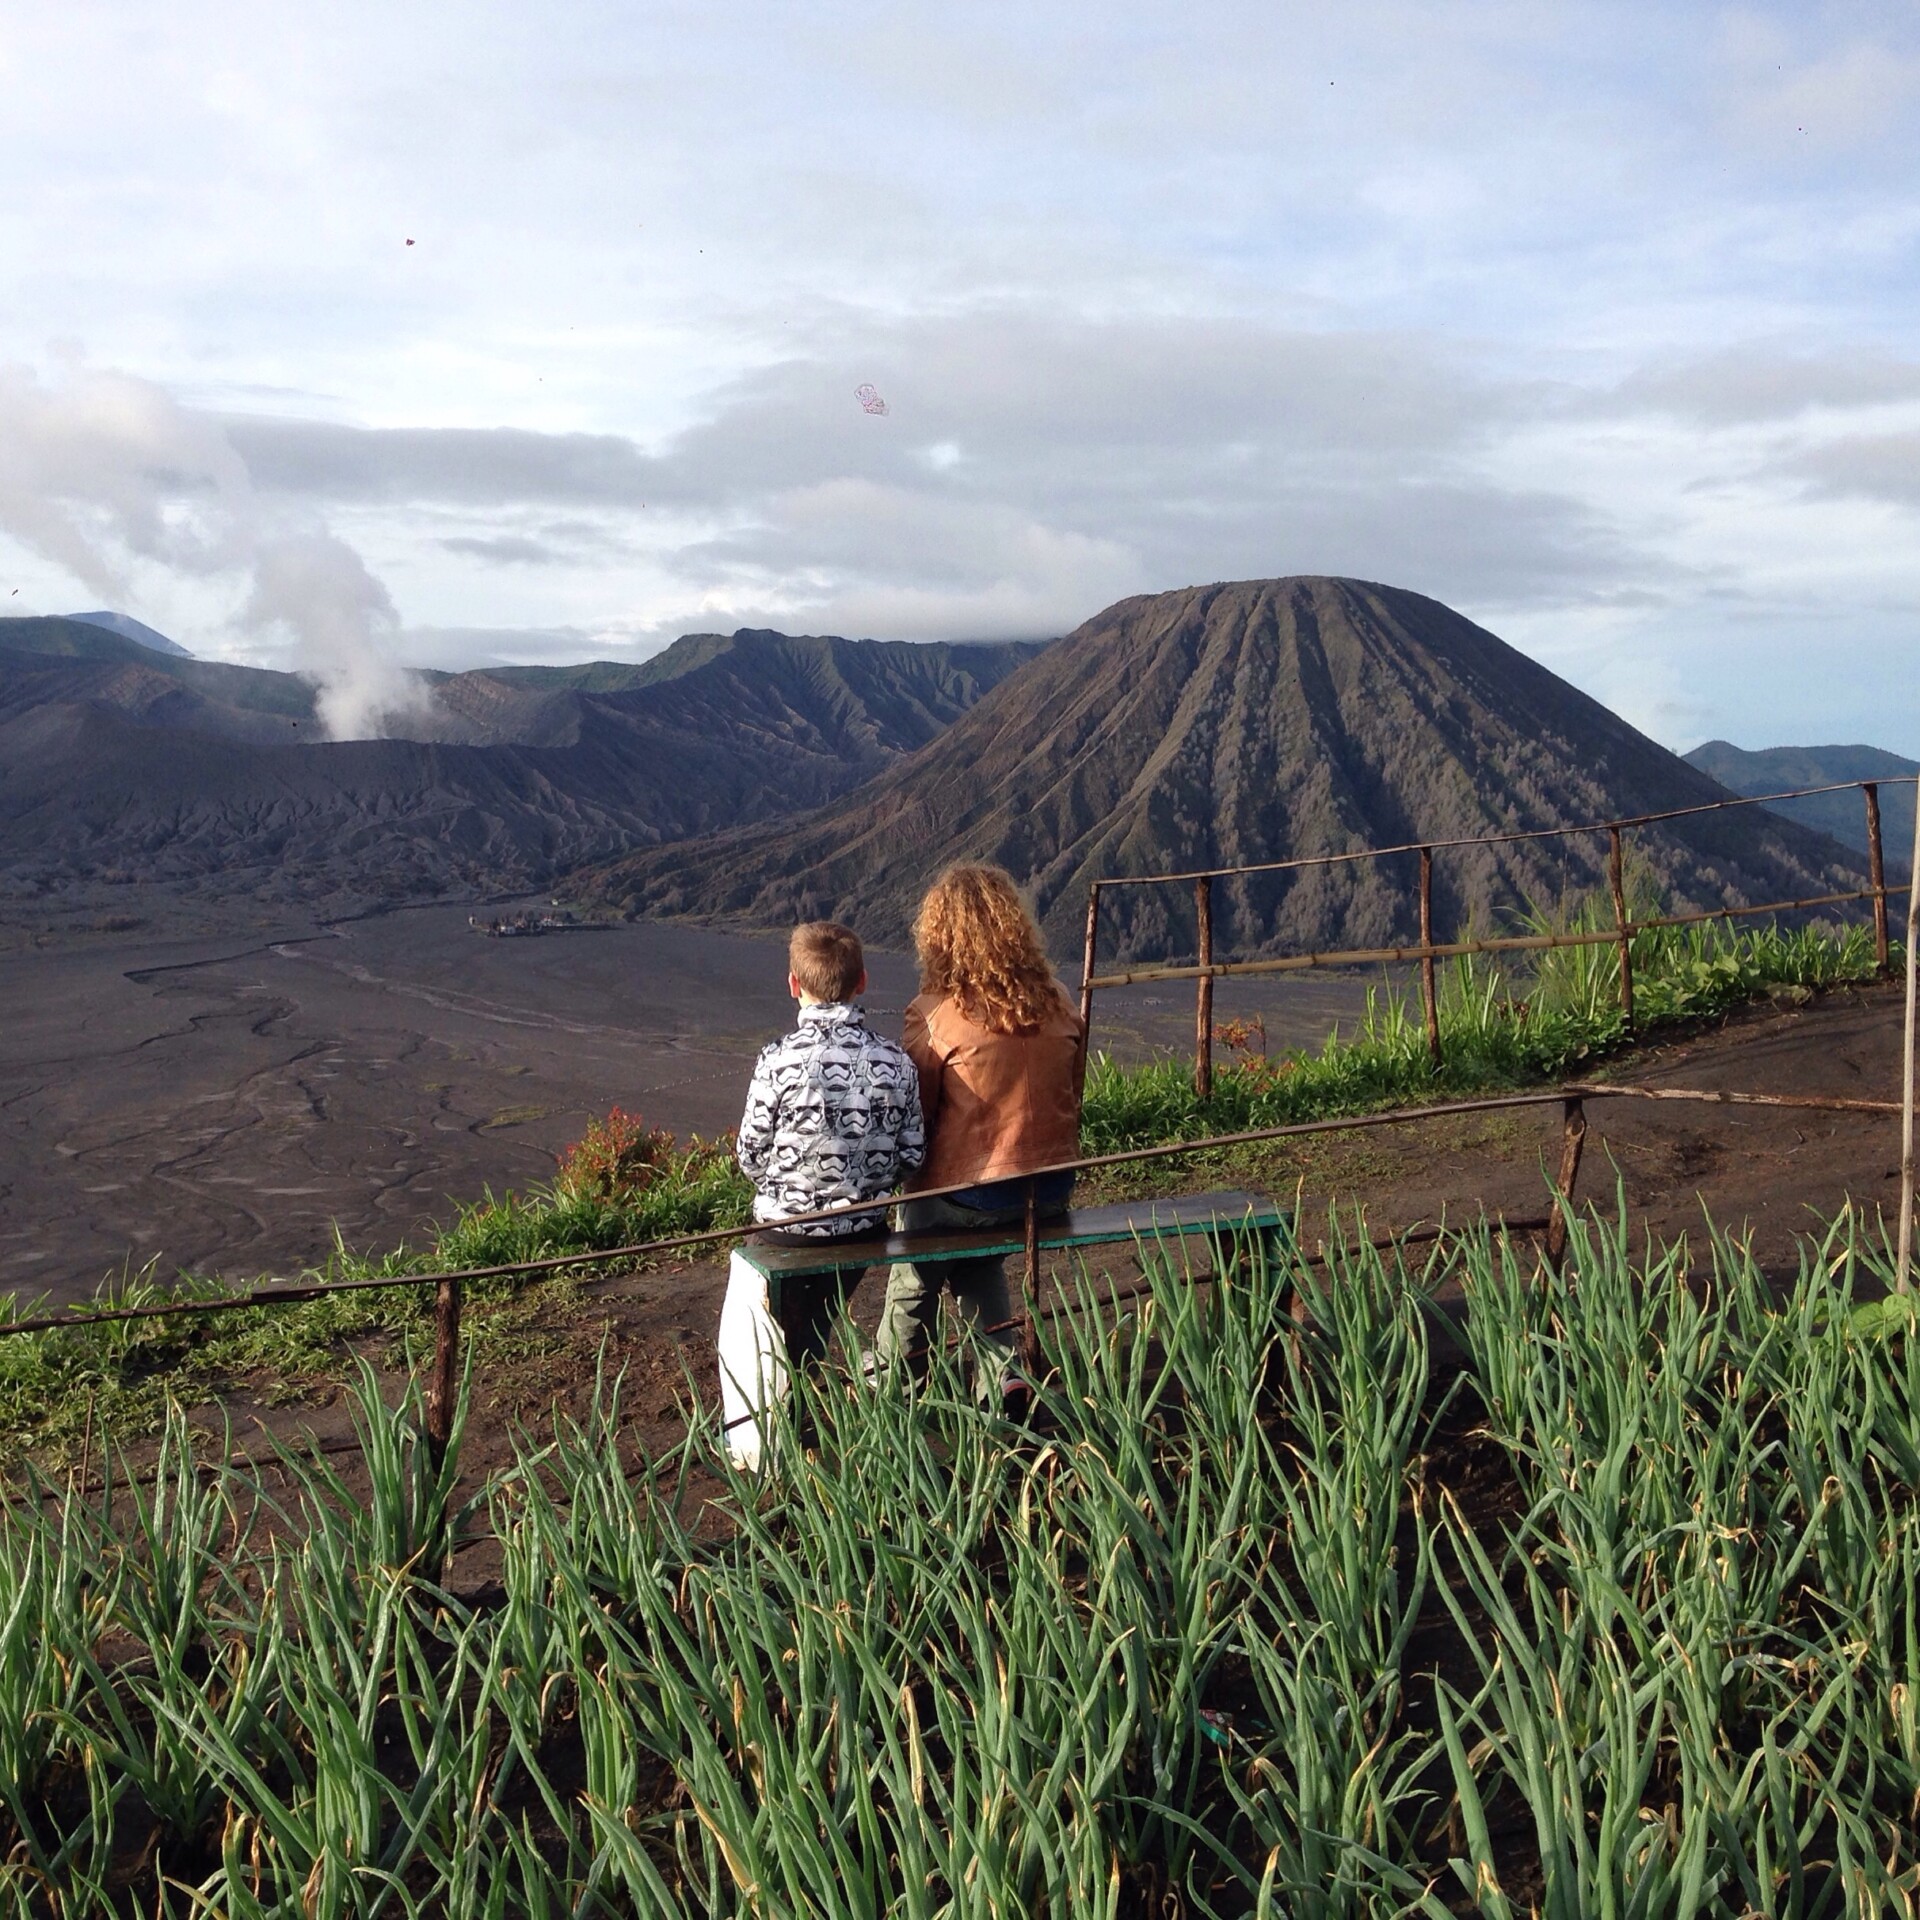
(443, 1379)
(1207, 968)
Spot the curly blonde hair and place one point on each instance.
(978, 943)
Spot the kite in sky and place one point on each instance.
(869, 397)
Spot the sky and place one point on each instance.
(352, 337)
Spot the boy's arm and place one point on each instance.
(911, 1142)
(753, 1143)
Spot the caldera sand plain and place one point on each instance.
(223, 1103)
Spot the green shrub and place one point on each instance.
(615, 1156)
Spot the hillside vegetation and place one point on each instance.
(1843, 815)
(1240, 723)
(1624, 1617)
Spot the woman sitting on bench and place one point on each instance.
(1001, 1056)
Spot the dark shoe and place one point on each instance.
(1016, 1396)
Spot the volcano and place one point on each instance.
(1237, 723)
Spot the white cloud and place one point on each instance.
(455, 649)
(1783, 84)
(1555, 312)
(1766, 384)
(1877, 466)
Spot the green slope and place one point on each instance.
(1844, 815)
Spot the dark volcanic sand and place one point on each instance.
(212, 1115)
(220, 1104)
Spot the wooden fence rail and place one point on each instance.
(449, 1288)
(1427, 950)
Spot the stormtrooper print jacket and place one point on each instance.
(833, 1115)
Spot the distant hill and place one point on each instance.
(1844, 815)
(119, 762)
(70, 661)
(691, 650)
(871, 697)
(867, 699)
(128, 628)
(67, 637)
(1230, 724)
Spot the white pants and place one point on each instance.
(753, 1363)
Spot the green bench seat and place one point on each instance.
(1197, 1213)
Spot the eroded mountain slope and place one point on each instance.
(1238, 723)
(112, 765)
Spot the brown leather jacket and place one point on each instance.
(996, 1104)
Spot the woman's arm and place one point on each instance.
(917, 1037)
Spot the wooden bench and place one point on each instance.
(1214, 1214)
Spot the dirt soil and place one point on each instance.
(1771, 1174)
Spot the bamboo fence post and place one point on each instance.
(443, 1387)
(1876, 874)
(1903, 1270)
(1203, 995)
(1429, 992)
(1086, 964)
(1616, 879)
(1030, 1284)
(1573, 1138)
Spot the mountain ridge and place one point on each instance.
(921, 683)
(1235, 723)
(1753, 771)
(128, 628)
(110, 765)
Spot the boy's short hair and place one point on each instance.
(826, 959)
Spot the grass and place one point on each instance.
(624, 1184)
(1620, 1618)
(59, 1387)
(1498, 1028)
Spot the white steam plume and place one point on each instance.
(104, 474)
(344, 627)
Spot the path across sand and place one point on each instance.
(1772, 1173)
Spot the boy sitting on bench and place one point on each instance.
(833, 1117)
